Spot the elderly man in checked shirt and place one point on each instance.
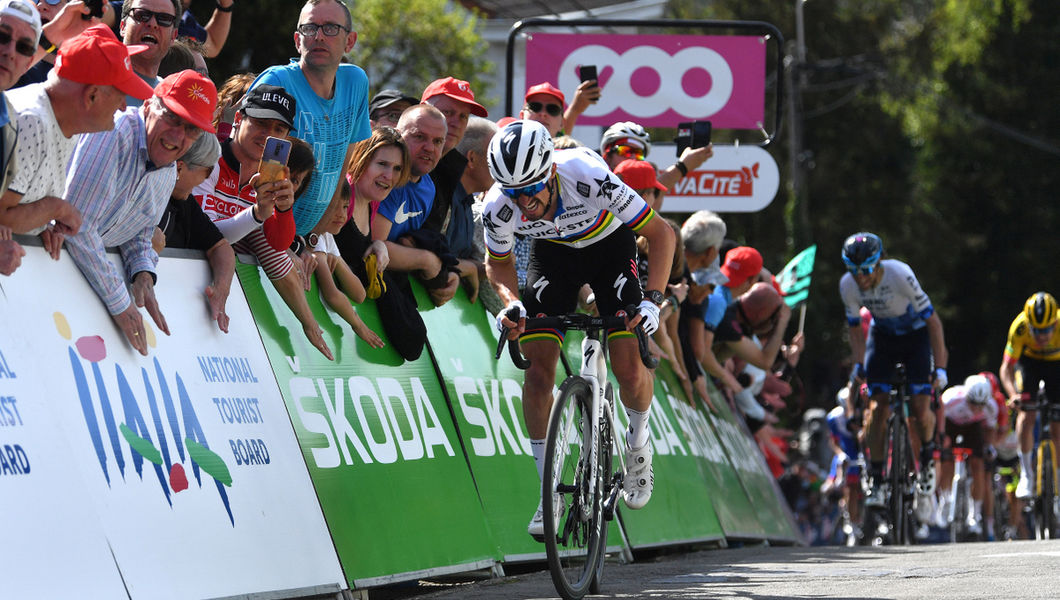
(121, 181)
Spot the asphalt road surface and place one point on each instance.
(1003, 570)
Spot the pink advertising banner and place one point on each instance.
(658, 80)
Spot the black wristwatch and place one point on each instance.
(655, 296)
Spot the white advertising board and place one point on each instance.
(186, 456)
(736, 179)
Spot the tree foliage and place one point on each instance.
(932, 124)
(406, 44)
(403, 44)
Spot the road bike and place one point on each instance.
(895, 522)
(581, 485)
(960, 495)
(1043, 506)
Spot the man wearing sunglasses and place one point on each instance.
(1032, 348)
(332, 100)
(151, 23)
(121, 181)
(905, 329)
(212, 36)
(547, 105)
(582, 220)
(20, 29)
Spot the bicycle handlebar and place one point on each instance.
(577, 321)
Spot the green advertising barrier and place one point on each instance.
(485, 396)
(686, 492)
(758, 482)
(380, 444)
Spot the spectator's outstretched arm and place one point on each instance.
(327, 268)
(217, 29)
(764, 357)
(68, 23)
(222, 261)
(588, 93)
(702, 345)
(691, 158)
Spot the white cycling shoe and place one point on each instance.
(973, 524)
(925, 507)
(536, 528)
(1024, 489)
(640, 478)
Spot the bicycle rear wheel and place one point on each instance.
(574, 527)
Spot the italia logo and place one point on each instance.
(127, 433)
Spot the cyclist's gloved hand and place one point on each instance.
(940, 378)
(514, 311)
(649, 316)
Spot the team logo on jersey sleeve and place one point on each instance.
(607, 187)
(583, 189)
(505, 214)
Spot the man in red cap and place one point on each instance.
(457, 102)
(93, 77)
(547, 105)
(121, 181)
(640, 175)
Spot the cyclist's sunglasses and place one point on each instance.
(554, 110)
(22, 46)
(142, 15)
(629, 151)
(530, 190)
(865, 268)
(1044, 330)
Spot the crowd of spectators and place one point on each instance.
(115, 136)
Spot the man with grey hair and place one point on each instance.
(184, 225)
(476, 178)
(702, 234)
(89, 83)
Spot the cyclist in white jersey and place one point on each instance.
(580, 218)
(971, 415)
(905, 329)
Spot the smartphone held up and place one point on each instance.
(273, 166)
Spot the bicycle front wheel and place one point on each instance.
(1047, 492)
(571, 500)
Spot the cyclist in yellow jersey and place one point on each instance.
(1033, 347)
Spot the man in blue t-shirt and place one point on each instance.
(406, 208)
(332, 100)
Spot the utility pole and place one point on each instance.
(798, 212)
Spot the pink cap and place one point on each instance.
(457, 90)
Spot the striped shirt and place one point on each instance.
(121, 197)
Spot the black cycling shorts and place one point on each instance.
(1032, 370)
(972, 436)
(557, 271)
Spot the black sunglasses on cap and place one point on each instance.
(553, 109)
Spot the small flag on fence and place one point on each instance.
(794, 280)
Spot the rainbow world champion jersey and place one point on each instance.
(592, 203)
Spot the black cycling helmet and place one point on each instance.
(862, 251)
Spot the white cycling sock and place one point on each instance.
(637, 435)
(978, 507)
(1025, 463)
(537, 447)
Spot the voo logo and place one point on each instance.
(644, 68)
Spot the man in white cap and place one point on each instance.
(92, 77)
(19, 33)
